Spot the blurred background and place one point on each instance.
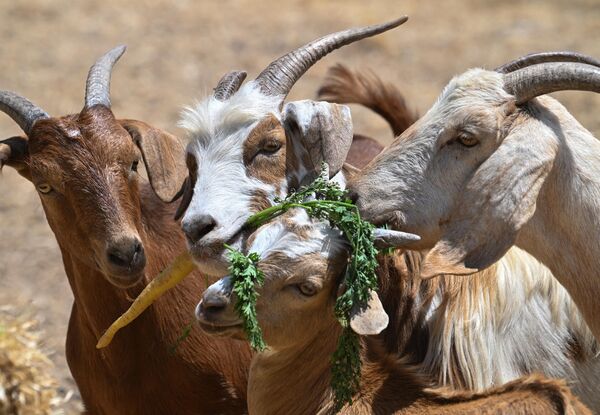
(177, 51)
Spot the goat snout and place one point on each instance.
(212, 306)
(198, 227)
(215, 312)
(126, 257)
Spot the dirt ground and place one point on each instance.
(178, 49)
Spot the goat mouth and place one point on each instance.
(228, 329)
(213, 259)
(125, 281)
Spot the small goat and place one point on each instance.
(494, 163)
(304, 264)
(115, 235)
(246, 147)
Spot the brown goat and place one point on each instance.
(115, 235)
(303, 264)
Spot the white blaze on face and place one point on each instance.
(296, 235)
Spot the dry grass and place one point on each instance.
(27, 386)
(178, 49)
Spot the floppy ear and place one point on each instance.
(497, 201)
(320, 132)
(14, 152)
(370, 319)
(164, 157)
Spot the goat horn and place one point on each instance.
(229, 84)
(528, 83)
(21, 110)
(281, 75)
(386, 238)
(97, 86)
(545, 57)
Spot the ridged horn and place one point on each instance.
(229, 84)
(546, 57)
(97, 86)
(21, 110)
(281, 75)
(532, 81)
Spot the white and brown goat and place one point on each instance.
(246, 147)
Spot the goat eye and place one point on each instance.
(468, 140)
(44, 188)
(271, 146)
(307, 289)
(134, 165)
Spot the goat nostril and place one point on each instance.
(199, 228)
(214, 304)
(117, 258)
(128, 255)
(211, 306)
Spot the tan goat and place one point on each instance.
(304, 265)
(496, 163)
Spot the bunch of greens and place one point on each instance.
(325, 200)
(246, 275)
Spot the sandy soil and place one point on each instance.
(178, 49)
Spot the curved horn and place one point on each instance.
(21, 110)
(229, 84)
(528, 83)
(97, 86)
(279, 77)
(545, 57)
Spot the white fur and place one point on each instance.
(217, 131)
(524, 328)
(277, 237)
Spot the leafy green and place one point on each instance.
(329, 202)
(246, 275)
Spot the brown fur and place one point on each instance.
(266, 169)
(86, 159)
(344, 86)
(363, 150)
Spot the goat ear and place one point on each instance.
(320, 132)
(164, 157)
(370, 319)
(497, 201)
(14, 152)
